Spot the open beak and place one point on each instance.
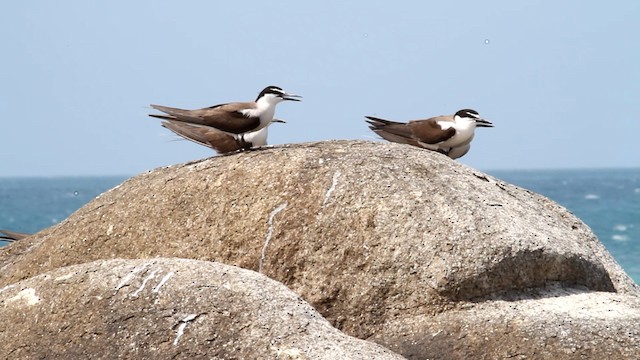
(483, 123)
(292, 97)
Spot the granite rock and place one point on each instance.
(166, 308)
(378, 237)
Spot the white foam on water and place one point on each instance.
(620, 227)
(621, 238)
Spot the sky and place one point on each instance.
(560, 80)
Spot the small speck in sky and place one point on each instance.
(486, 41)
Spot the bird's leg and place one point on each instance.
(243, 144)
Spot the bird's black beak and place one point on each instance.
(278, 120)
(292, 97)
(483, 123)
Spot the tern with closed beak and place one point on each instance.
(236, 119)
(447, 134)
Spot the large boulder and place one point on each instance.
(166, 309)
(383, 239)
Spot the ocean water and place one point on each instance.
(32, 204)
(606, 200)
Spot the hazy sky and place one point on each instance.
(559, 79)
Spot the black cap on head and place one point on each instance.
(276, 90)
(469, 113)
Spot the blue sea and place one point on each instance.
(606, 200)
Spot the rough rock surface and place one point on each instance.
(557, 324)
(166, 308)
(378, 237)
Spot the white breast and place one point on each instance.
(464, 134)
(264, 109)
(257, 138)
(460, 151)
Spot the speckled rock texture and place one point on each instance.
(166, 309)
(388, 242)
